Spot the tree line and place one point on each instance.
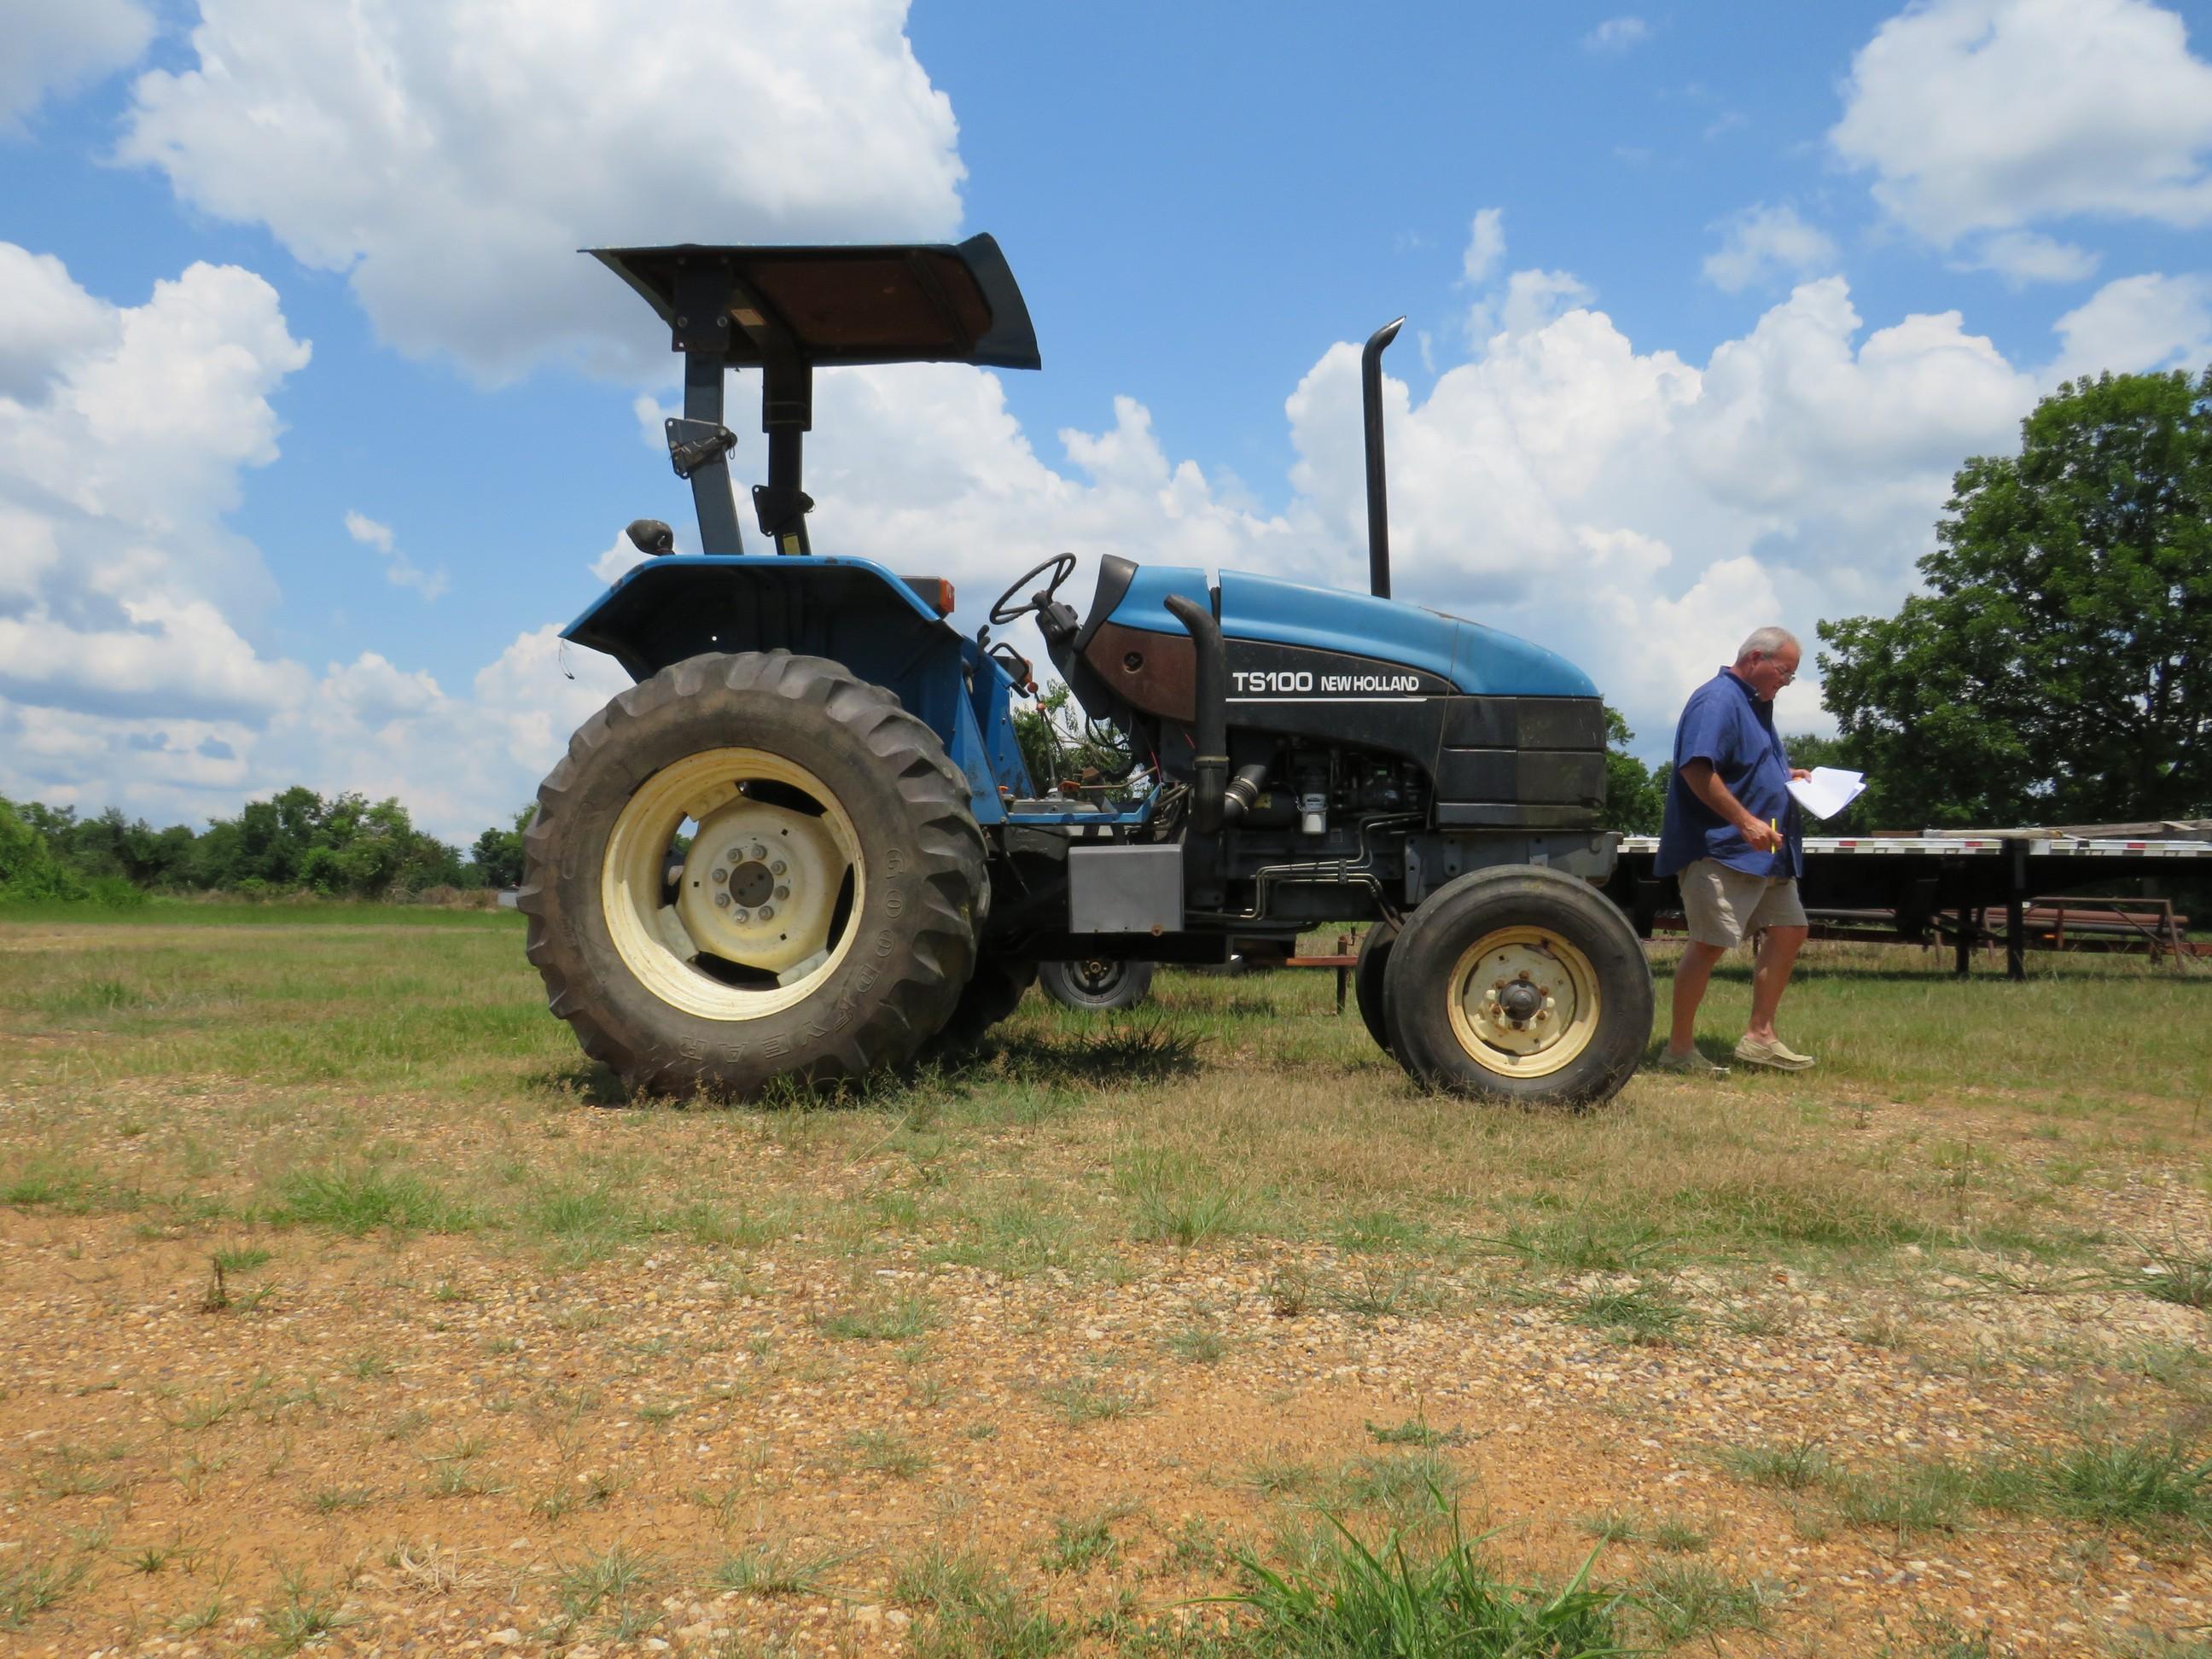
(298, 840)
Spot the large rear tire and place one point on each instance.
(1521, 984)
(993, 992)
(1096, 985)
(822, 923)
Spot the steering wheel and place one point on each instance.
(1006, 610)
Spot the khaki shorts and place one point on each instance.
(1725, 906)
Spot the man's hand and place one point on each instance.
(1798, 775)
(1706, 785)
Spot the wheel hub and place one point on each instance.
(1519, 998)
(760, 885)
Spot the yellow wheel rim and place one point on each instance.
(1523, 1001)
(758, 898)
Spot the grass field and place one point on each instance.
(345, 1303)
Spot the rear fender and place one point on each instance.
(853, 611)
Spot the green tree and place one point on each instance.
(1635, 794)
(29, 870)
(1060, 743)
(497, 855)
(2055, 670)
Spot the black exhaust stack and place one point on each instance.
(1378, 505)
(1210, 754)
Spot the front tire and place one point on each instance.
(1519, 984)
(1367, 975)
(822, 922)
(1096, 985)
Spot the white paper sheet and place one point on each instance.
(1828, 791)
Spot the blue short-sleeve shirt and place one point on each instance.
(1726, 722)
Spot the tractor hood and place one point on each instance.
(1477, 661)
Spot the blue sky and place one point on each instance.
(314, 427)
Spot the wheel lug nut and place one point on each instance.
(775, 867)
(735, 855)
(741, 914)
(722, 902)
(721, 876)
(783, 892)
(759, 851)
(768, 913)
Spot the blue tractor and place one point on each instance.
(804, 844)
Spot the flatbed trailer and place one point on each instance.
(1928, 887)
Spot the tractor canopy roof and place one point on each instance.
(893, 303)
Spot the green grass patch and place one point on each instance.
(1641, 1313)
(2150, 1482)
(902, 1321)
(969, 1609)
(1786, 1466)
(1685, 1600)
(775, 1570)
(361, 1198)
(1424, 1591)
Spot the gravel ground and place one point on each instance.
(435, 1437)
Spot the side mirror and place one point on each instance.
(651, 538)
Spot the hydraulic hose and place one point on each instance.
(1210, 757)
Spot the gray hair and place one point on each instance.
(1768, 642)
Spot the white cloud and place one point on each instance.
(1617, 35)
(399, 569)
(2027, 256)
(1486, 245)
(53, 50)
(2136, 323)
(1531, 299)
(1641, 514)
(1990, 115)
(48, 323)
(367, 532)
(1768, 244)
(121, 440)
(450, 160)
(622, 555)
(129, 671)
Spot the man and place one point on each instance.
(1733, 834)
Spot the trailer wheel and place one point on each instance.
(822, 922)
(993, 992)
(1519, 984)
(1367, 975)
(1096, 985)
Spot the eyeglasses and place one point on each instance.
(1788, 675)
